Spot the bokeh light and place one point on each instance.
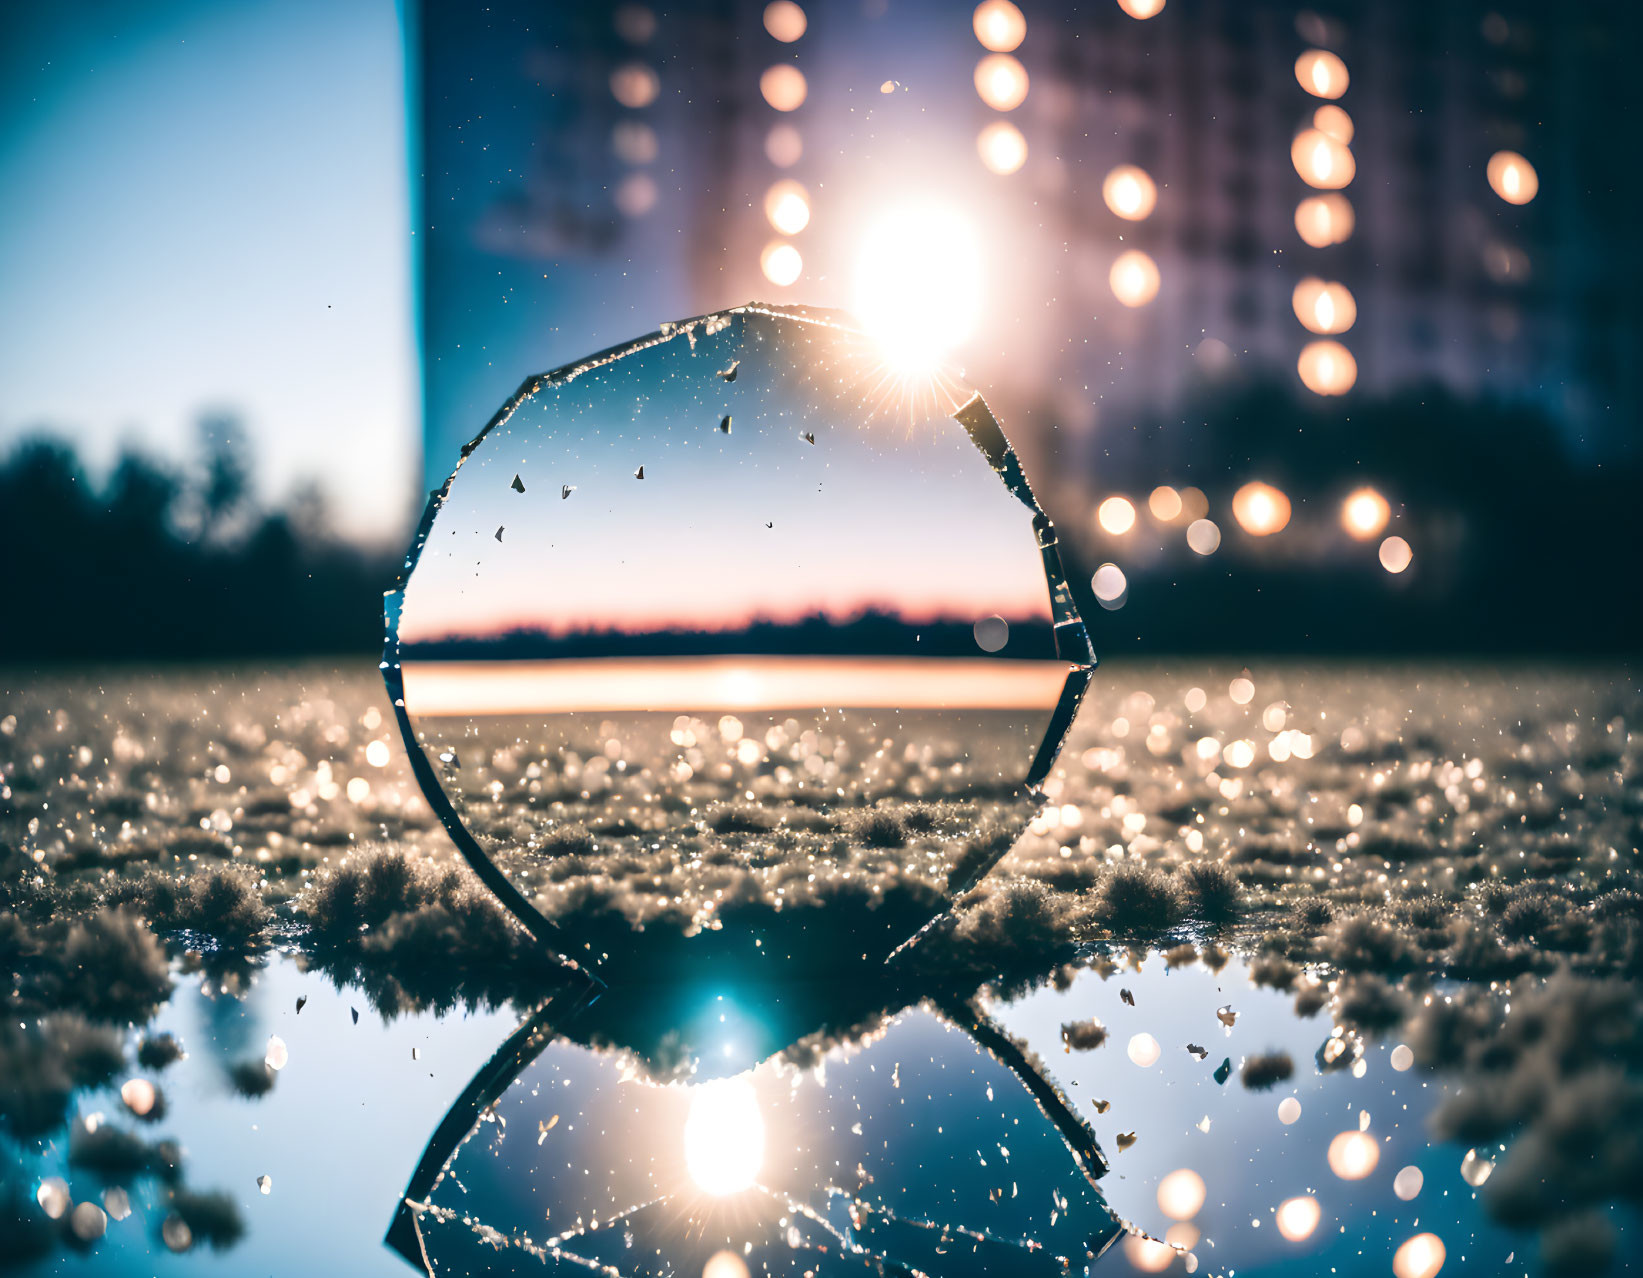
(1396, 555)
(787, 205)
(1324, 306)
(1142, 8)
(1194, 505)
(1289, 1110)
(1353, 1155)
(1110, 586)
(1164, 503)
(1327, 368)
(783, 86)
(1421, 1257)
(1512, 177)
(1322, 161)
(785, 20)
(1129, 192)
(634, 142)
(1181, 1194)
(1204, 536)
(1116, 516)
(636, 194)
(1134, 278)
(783, 146)
(1003, 150)
(139, 1095)
(1334, 121)
(1408, 1182)
(1322, 220)
(1364, 514)
(1298, 1217)
(918, 283)
(1000, 26)
(1260, 509)
(1147, 1255)
(1001, 81)
(1321, 73)
(1144, 1050)
(781, 263)
(725, 1264)
(634, 85)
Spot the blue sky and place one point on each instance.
(205, 207)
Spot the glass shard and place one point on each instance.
(822, 660)
(911, 1149)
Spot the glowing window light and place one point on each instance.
(1003, 149)
(1324, 307)
(783, 86)
(918, 283)
(1353, 1155)
(1116, 516)
(1512, 177)
(1363, 515)
(634, 85)
(1181, 1194)
(785, 21)
(781, 263)
(1000, 26)
(1322, 220)
(1335, 122)
(1165, 503)
(634, 142)
(1298, 1217)
(1110, 586)
(1260, 509)
(1001, 81)
(787, 205)
(1142, 9)
(1421, 1257)
(1134, 278)
(1321, 73)
(783, 146)
(1322, 161)
(1204, 536)
(724, 1137)
(1395, 555)
(1129, 192)
(636, 194)
(1327, 368)
(634, 23)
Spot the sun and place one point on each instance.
(918, 285)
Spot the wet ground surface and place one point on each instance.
(1281, 936)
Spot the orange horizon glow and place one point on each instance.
(435, 689)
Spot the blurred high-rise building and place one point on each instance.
(1249, 174)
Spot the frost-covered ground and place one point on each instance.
(1439, 857)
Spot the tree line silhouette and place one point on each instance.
(164, 563)
(1521, 543)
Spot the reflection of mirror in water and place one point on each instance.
(907, 1148)
(679, 651)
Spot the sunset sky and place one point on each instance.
(878, 512)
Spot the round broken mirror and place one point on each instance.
(734, 641)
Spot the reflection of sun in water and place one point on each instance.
(724, 1137)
